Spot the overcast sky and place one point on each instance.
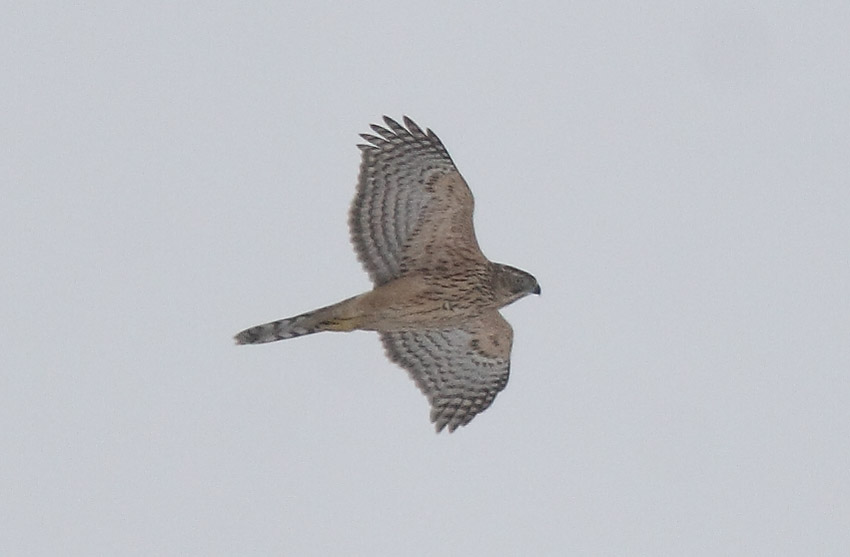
(676, 175)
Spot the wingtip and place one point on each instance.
(441, 421)
(373, 139)
(395, 127)
(413, 126)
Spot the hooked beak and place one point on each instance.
(536, 289)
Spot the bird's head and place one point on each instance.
(512, 283)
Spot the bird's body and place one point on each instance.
(436, 297)
(421, 300)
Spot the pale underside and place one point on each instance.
(412, 214)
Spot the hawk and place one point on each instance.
(436, 298)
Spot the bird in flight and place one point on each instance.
(436, 298)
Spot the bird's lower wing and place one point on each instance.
(460, 370)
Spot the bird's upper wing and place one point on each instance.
(460, 370)
(413, 209)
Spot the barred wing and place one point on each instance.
(460, 370)
(412, 209)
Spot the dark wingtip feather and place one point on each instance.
(382, 131)
(412, 126)
(395, 126)
(373, 139)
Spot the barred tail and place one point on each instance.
(330, 318)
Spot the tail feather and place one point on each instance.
(304, 324)
(331, 318)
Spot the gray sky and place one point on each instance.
(675, 174)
